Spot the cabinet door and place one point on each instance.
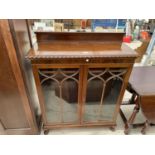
(103, 88)
(60, 90)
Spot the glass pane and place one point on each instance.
(103, 89)
(60, 91)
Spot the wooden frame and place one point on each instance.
(82, 92)
(41, 59)
(41, 98)
(27, 123)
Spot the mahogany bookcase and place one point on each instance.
(80, 77)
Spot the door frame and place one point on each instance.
(83, 72)
(128, 66)
(35, 68)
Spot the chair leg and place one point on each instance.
(146, 125)
(131, 119)
(122, 116)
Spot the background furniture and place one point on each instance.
(142, 86)
(142, 50)
(80, 77)
(18, 102)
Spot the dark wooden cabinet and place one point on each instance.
(80, 77)
(17, 94)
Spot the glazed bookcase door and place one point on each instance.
(103, 87)
(61, 94)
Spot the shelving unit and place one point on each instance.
(80, 77)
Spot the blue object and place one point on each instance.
(120, 23)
